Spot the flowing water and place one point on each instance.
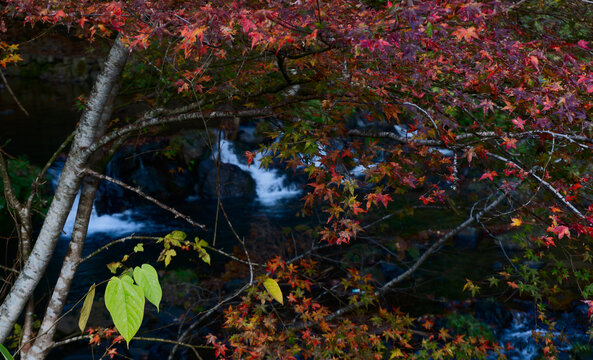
(276, 198)
(270, 185)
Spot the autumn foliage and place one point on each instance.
(481, 108)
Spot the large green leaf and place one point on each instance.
(86, 308)
(272, 287)
(148, 279)
(125, 302)
(5, 353)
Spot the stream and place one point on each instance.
(277, 200)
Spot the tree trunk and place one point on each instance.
(66, 191)
(45, 338)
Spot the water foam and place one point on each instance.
(270, 185)
(114, 224)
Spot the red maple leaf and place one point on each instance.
(489, 175)
(509, 143)
(548, 241)
(560, 231)
(111, 353)
(519, 123)
(249, 155)
(427, 200)
(583, 45)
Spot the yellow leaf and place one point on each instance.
(86, 308)
(396, 354)
(273, 289)
(516, 222)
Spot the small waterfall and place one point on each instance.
(270, 185)
(114, 224)
(519, 343)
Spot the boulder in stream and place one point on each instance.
(234, 182)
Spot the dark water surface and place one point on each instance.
(53, 118)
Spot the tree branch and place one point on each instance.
(433, 248)
(16, 100)
(545, 184)
(145, 196)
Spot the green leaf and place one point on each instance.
(429, 29)
(414, 252)
(204, 256)
(5, 353)
(588, 291)
(202, 253)
(168, 255)
(139, 248)
(148, 279)
(273, 289)
(493, 281)
(175, 237)
(114, 266)
(86, 308)
(125, 303)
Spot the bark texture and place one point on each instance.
(68, 187)
(45, 339)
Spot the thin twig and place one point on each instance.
(145, 196)
(41, 174)
(16, 100)
(434, 247)
(118, 241)
(6, 268)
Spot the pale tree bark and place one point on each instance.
(44, 340)
(45, 337)
(68, 187)
(22, 218)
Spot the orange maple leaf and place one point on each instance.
(516, 222)
(466, 34)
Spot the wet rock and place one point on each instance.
(384, 271)
(235, 284)
(194, 144)
(234, 182)
(150, 181)
(80, 68)
(580, 309)
(389, 271)
(516, 240)
(468, 238)
(497, 266)
(535, 265)
(248, 135)
(139, 353)
(493, 313)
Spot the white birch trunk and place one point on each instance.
(45, 338)
(68, 186)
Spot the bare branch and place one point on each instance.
(9, 194)
(545, 184)
(433, 248)
(482, 135)
(37, 182)
(16, 100)
(145, 196)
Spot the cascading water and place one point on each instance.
(270, 186)
(114, 224)
(519, 342)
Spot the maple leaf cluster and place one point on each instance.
(385, 108)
